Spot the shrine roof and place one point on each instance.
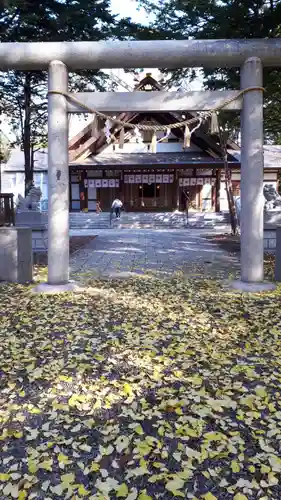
(141, 160)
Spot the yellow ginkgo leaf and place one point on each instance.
(18, 434)
(85, 447)
(174, 486)
(265, 469)
(95, 467)
(235, 466)
(68, 478)
(32, 466)
(10, 490)
(5, 477)
(128, 389)
(122, 443)
(122, 491)
(240, 496)
(63, 459)
(58, 489)
(22, 495)
(272, 479)
(82, 491)
(144, 496)
(260, 391)
(46, 465)
(209, 496)
(139, 430)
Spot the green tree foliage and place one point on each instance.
(214, 19)
(4, 148)
(23, 94)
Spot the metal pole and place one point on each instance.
(218, 190)
(252, 202)
(58, 177)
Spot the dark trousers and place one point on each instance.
(118, 212)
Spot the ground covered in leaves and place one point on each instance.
(140, 389)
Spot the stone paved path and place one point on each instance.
(123, 252)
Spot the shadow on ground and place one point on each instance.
(140, 388)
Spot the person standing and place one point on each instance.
(116, 206)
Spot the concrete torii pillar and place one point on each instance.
(58, 183)
(58, 177)
(252, 166)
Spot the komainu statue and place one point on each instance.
(273, 199)
(31, 201)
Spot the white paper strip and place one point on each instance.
(203, 171)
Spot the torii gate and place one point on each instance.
(60, 57)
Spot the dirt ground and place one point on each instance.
(231, 244)
(75, 243)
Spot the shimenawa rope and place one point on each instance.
(201, 116)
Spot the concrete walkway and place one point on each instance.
(122, 253)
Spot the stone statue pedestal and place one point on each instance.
(16, 254)
(272, 216)
(37, 221)
(31, 218)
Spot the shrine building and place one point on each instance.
(145, 181)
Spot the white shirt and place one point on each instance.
(117, 203)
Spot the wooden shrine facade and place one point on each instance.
(145, 189)
(146, 181)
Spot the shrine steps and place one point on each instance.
(148, 220)
(91, 220)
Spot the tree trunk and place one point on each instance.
(28, 168)
(228, 183)
(230, 197)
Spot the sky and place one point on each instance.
(129, 8)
